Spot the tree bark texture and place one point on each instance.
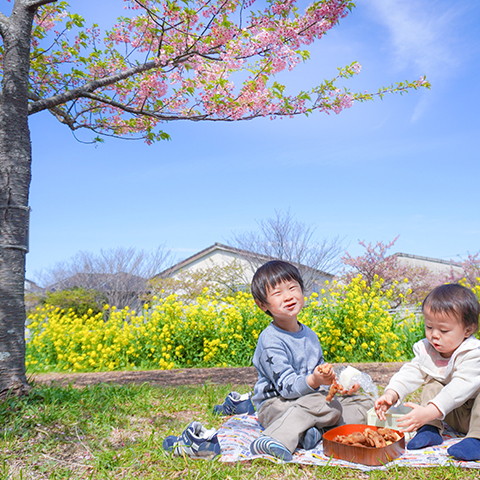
(15, 174)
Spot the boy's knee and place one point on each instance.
(335, 411)
(338, 416)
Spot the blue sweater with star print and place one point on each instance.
(283, 361)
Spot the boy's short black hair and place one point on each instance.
(270, 275)
(455, 299)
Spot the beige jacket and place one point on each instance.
(460, 374)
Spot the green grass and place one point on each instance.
(116, 432)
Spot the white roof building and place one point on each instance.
(436, 265)
(223, 255)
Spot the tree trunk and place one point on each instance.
(15, 173)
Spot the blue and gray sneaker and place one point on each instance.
(235, 404)
(195, 441)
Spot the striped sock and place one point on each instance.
(268, 446)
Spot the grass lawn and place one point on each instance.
(116, 432)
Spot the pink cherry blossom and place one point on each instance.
(201, 60)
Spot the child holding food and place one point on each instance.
(292, 406)
(447, 364)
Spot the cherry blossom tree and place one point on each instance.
(466, 271)
(164, 60)
(471, 268)
(377, 264)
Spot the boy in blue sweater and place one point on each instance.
(289, 397)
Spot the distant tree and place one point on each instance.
(471, 270)
(285, 238)
(221, 280)
(78, 299)
(120, 274)
(377, 263)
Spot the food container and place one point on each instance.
(393, 414)
(364, 455)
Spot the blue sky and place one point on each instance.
(406, 165)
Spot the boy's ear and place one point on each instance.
(261, 305)
(469, 330)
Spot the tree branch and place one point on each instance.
(58, 113)
(63, 117)
(168, 118)
(48, 103)
(136, 111)
(38, 3)
(89, 87)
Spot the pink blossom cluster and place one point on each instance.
(356, 67)
(282, 7)
(48, 19)
(192, 60)
(421, 81)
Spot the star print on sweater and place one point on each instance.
(283, 361)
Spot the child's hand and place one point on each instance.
(324, 374)
(383, 403)
(418, 417)
(355, 388)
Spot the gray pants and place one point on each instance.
(287, 420)
(464, 419)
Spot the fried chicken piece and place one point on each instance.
(356, 437)
(334, 388)
(369, 442)
(389, 435)
(369, 438)
(379, 441)
(376, 438)
(324, 368)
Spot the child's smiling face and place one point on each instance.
(445, 332)
(284, 302)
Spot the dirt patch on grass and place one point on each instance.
(380, 373)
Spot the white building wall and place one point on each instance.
(221, 258)
(435, 265)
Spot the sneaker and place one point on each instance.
(235, 404)
(195, 441)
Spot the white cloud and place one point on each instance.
(421, 107)
(424, 36)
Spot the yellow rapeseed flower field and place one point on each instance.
(353, 323)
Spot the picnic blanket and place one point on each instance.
(239, 431)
